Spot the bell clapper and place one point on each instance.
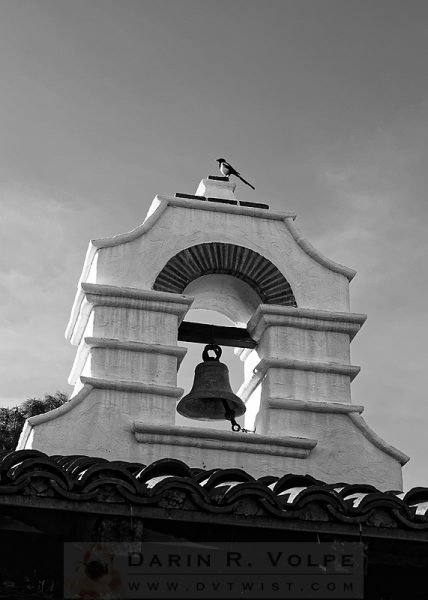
(229, 414)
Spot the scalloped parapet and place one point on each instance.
(174, 224)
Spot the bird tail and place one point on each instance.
(245, 181)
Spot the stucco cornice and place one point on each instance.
(92, 294)
(306, 365)
(133, 386)
(126, 293)
(223, 440)
(114, 344)
(133, 346)
(248, 387)
(303, 318)
(314, 406)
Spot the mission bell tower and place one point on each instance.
(251, 264)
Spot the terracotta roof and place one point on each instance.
(171, 483)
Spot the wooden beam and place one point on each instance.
(201, 333)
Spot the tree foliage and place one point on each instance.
(12, 419)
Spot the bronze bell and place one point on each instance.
(211, 397)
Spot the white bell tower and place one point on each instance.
(211, 251)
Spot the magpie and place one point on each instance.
(226, 169)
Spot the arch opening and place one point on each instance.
(226, 295)
(228, 282)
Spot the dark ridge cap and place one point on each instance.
(254, 205)
(222, 200)
(190, 196)
(218, 178)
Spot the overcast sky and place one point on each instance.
(322, 104)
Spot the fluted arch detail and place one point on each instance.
(219, 258)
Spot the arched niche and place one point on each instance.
(264, 279)
(233, 281)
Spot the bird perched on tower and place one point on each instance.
(226, 169)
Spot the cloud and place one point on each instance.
(378, 226)
(37, 276)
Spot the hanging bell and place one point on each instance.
(211, 397)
